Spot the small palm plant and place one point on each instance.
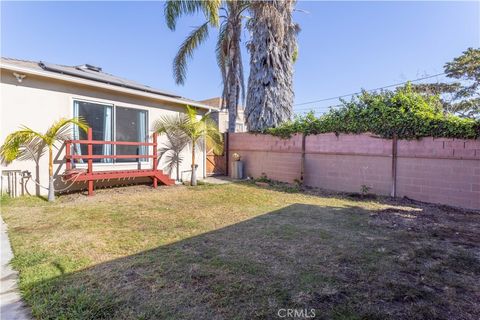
(171, 152)
(196, 130)
(27, 144)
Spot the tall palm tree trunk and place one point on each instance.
(51, 187)
(272, 45)
(234, 72)
(232, 100)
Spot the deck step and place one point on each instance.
(124, 174)
(165, 179)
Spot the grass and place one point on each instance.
(239, 251)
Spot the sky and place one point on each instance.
(343, 46)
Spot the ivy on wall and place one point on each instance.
(403, 112)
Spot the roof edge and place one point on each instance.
(92, 83)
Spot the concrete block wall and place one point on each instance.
(347, 162)
(279, 159)
(444, 171)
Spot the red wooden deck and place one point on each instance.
(90, 176)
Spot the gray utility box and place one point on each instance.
(237, 169)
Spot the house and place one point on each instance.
(36, 94)
(220, 115)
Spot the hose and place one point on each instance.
(61, 176)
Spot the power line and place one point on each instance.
(319, 108)
(389, 86)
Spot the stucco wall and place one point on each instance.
(445, 171)
(221, 116)
(222, 121)
(37, 102)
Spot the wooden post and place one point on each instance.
(90, 161)
(67, 155)
(394, 166)
(155, 159)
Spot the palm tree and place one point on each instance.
(171, 152)
(272, 52)
(27, 144)
(227, 16)
(197, 130)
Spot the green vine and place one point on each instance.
(404, 112)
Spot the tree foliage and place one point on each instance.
(227, 16)
(28, 144)
(461, 97)
(466, 67)
(272, 50)
(404, 113)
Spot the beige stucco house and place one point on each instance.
(36, 94)
(220, 115)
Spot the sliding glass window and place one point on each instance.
(130, 125)
(99, 118)
(111, 123)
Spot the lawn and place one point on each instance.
(240, 251)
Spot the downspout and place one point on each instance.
(226, 152)
(302, 163)
(394, 166)
(205, 154)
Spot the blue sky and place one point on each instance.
(344, 46)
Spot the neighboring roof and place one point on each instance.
(217, 103)
(214, 102)
(96, 76)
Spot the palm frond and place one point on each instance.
(64, 133)
(170, 158)
(11, 148)
(27, 144)
(169, 123)
(211, 9)
(191, 129)
(221, 50)
(191, 115)
(186, 50)
(214, 138)
(32, 150)
(60, 129)
(175, 8)
(170, 151)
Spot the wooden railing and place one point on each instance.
(90, 156)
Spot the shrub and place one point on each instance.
(404, 112)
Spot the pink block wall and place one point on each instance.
(348, 173)
(346, 162)
(279, 159)
(445, 171)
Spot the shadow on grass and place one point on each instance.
(330, 259)
(351, 196)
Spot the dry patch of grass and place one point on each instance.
(238, 251)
